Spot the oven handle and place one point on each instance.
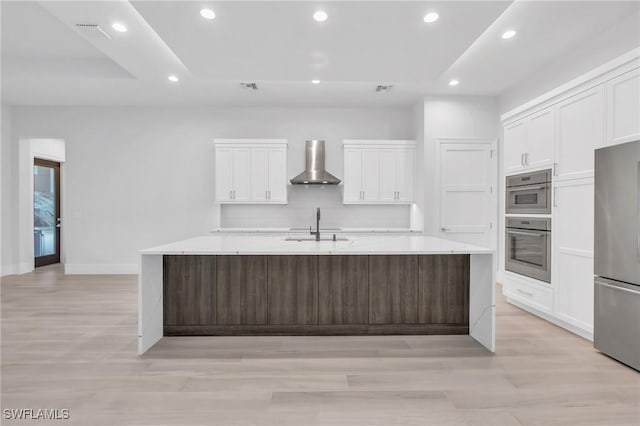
(527, 188)
(535, 234)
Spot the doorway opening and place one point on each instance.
(46, 212)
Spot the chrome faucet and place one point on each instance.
(317, 233)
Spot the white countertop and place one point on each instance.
(277, 245)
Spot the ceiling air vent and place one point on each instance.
(249, 86)
(93, 31)
(384, 88)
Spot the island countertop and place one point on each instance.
(279, 245)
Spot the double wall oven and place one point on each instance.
(528, 238)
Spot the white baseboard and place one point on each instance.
(101, 269)
(8, 270)
(569, 327)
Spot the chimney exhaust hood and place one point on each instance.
(314, 173)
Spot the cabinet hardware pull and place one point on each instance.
(230, 194)
(525, 292)
(526, 158)
(555, 197)
(522, 159)
(555, 169)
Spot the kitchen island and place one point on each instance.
(269, 285)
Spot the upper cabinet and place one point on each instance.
(251, 171)
(529, 142)
(379, 171)
(580, 131)
(623, 108)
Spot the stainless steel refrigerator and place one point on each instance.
(617, 253)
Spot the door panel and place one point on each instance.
(189, 290)
(406, 173)
(388, 174)
(443, 289)
(393, 289)
(514, 146)
(292, 289)
(278, 174)
(46, 212)
(224, 176)
(371, 174)
(540, 138)
(343, 289)
(580, 132)
(572, 231)
(241, 171)
(623, 108)
(466, 196)
(241, 290)
(259, 172)
(352, 175)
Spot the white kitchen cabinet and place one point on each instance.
(579, 131)
(540, 128)
(623, 108)
(572, 263)
(514, 146)
(379, 172)
(529, 142)
(251, 171)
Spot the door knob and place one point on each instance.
(445, 229)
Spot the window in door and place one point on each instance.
(46, 212)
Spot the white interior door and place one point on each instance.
(468, 203)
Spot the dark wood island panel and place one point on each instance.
(316, 294)
(241, 283)
(189, 290)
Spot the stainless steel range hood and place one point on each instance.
(314, 172)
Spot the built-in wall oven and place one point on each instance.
(529, 193)
(528, 247)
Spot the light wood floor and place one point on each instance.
(70, 342)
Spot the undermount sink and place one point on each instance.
(313, 239)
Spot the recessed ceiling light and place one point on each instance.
(208, 14)
(119, 27)
(454, 83)
(431, 17)
(320, 16)
(509, 34)
(172, 78)
(315, 81)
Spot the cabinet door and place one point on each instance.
(259, 172)
(388, 174)
(224, 176)
(292, 289)
(241, 290)
(623, 108)
(241, 170)
(406, 173)
(352, 175)
(371, 174)
(514, 146)
(572, 261)
(189, 284)
(278, 175)
(443, 289)
(579, 132)
(393, 289)
(540, 136)
(343, 289)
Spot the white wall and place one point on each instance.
(8, 195)
(607, 46)
(139, 177)
(452, 117)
